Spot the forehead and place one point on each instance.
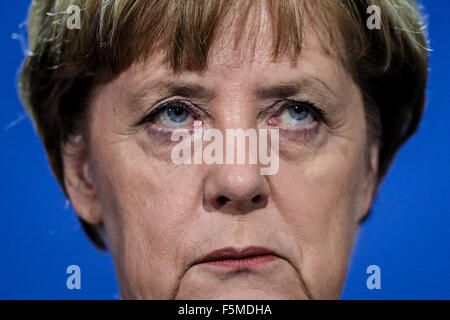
(248, 59)
(241, 31)
(249, 49)
(227, 33)
(255, 41)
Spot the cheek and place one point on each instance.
(146, 216)
(319, 199)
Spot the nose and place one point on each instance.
(235, 189)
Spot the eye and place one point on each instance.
(173, 114)
(295, 113)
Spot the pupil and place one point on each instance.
(298, 112)
(177, 114)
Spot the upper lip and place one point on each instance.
(231, 253)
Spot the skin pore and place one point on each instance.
(161, 218)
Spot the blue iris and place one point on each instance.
(298, 113)
(177, 114)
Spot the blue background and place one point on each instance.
(407, 235)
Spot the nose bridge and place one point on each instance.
(236, 186)
(235, 104)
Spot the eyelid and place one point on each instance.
(153, 112)
(197, 111)
(317, 112)
(282, 105)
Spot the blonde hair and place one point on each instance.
(390, 65)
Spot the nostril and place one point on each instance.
(222, 200)
(257, 199)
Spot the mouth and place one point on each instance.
(232, 258)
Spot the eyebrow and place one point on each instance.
(286, 90)
(163, 89)
(169, 88)
(278, 91)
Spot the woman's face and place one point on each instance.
(163, 218)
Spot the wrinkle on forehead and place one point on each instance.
(252, 44)
(252, 41)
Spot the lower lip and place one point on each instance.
(243, 263)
